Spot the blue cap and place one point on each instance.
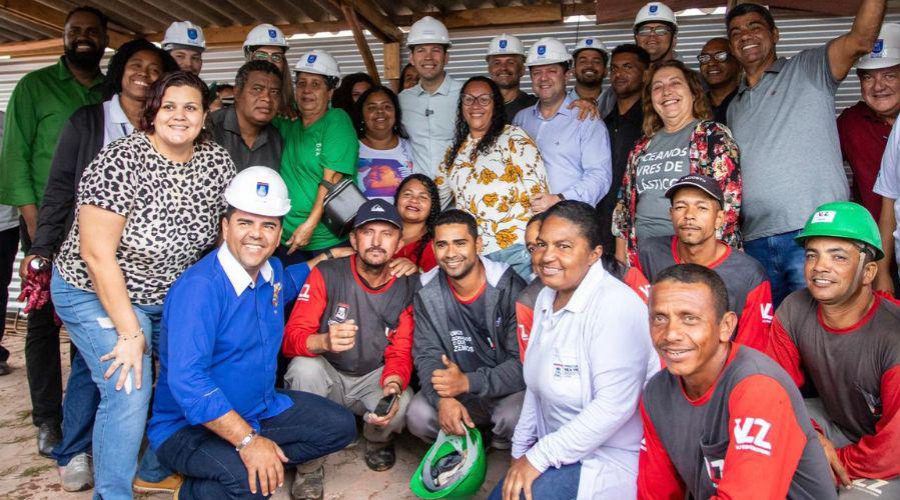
(377, 210)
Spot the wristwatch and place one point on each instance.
(246, 441)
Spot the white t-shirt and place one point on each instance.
(380, 171)
(888, 182)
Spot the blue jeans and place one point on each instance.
(783, 259)
(79, 407)
(121, 416)
(313, 427)
(517, 257)
(553, 484)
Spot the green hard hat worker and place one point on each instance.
(454, 466)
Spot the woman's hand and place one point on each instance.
(300, 238)
(127, 354)
(519, 478)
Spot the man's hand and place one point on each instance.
(587, 109)
(23, 266)
(300, 238)
(519, 478)
(452, 415)
(341, 336)
(838, 472)
(401, 266)
(392, 385)
(263, 458)
(543, 201)
(451, 382)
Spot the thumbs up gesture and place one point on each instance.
(451, 381)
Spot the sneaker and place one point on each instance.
(77, 474)
(380, 456)
(309, 485)
(167, 485)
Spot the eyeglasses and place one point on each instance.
(658, 31)
(483, 99)
(720, 56)
(265, 56)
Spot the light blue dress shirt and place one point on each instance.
(430, 121)
(576, 153)
(115, 121)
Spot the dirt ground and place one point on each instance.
(26, 475)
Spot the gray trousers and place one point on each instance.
(501, 413)
(357, 394)
(862, 488)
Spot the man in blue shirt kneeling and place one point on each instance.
(217, 418)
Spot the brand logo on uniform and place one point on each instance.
(823, 216)
(377, 208)
(311, 58)
(273, 34)
(873, 489)
(714, 469)
(503, 44)
(542, 49)
(262, 189)
(192, 33)
(589, 42)
(304, 294)
(879, 46)
(654, 9)
(765, 311)
(750, 434)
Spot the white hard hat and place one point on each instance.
(184, 33)
(655, 12)
(547, 51)
(506, 45)
(590, 42)
(428, 30)
(886, 52)
(265, 34)
(318, 62)
(258, 191)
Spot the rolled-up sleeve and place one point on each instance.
(193, 308)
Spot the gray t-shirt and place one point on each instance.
(790, 151)
(664, 162)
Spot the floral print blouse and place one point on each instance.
(496, 187)
(713, 152)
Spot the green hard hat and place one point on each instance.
(843, 219)
(454, 467)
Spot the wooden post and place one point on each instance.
(392, 65)
(361, 43)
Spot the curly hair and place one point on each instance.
(433, 213)
(342, 97)
(701, 109)
(119, 60)
(158, 90)
(498, 122)
(360, 123)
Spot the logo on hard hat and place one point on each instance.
(654, 8)
(503, 44)
(192, 33)
(879, 46)
(311, 58)
(823, 216)
(542, 49)
(272, 34)
(262, 189)
(589, 41)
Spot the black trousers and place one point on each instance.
(9, 246)
(42, 359)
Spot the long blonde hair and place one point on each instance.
(701, 109)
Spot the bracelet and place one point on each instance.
(125, 337)
(246, 441)
(328, 254)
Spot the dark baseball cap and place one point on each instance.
(704, 183)
(377, 210)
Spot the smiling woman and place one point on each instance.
(147, 207)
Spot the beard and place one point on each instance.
(84, 60)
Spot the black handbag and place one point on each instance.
(342, 201)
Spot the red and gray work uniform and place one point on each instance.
(856, 372)
(525, 314)
(749, 292)
(335, 293)
(749, 436)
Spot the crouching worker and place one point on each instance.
(466, 350)
(217, 418)
(351, 331)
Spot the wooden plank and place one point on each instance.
(371, 13)
(35, 13)
(625, 10)
(392, 65)
(501, 16)
(361, 43)
(827, 7)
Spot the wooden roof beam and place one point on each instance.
(361, 43)
(500, 16)
(370, 12)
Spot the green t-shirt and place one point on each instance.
(330, 142)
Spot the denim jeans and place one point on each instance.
(783, 259)
(79, 408)
(517, 257)
(121, 415)
(553, 484)
(313, 427)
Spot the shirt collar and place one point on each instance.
(587, 289)
(776, 67)
(116, 113)
(236, 273)
(563, 109)
(444, 89)
(230, 123)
